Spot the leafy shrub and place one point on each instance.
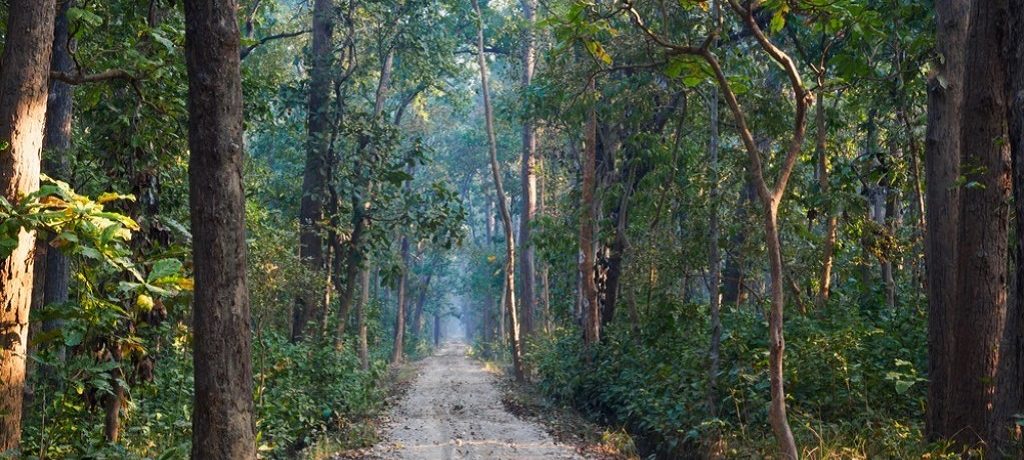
(853, 379)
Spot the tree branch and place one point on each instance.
(249, 49)
(78, 78)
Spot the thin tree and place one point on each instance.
(364, 303)
(399, 336)
(714, 255)
(831, 219)
(23, 93)
(770, 195)
(360, 202)
(506, 215)
(588, 287)
(528, 175)
(222, 413)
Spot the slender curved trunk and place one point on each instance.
(222, 415)
(23, 93)
(506, 215)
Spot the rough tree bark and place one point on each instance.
(942, 197)
(314, 179)
(976, 319)
(222, 414)
(23, 93)
(1010, 398)
(506, 215)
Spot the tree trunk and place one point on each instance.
(360, 203)
(734, 274)
(831, 219)
(364, 302)
(529, 178)
(314, 179)
(979, 315)
(437, 330)
(770, 200)
(23, 92)
(588, 287)
(114, 401)
(399, 345)
(56, 164)
(1010, 399)
(506, 215)
(544, 275)
(714, 256)
(942, 169)
(222, 417)
(417, 322)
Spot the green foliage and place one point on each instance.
(82, 226)
(853, 380)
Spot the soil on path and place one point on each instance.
(453, 410)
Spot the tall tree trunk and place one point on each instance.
(222, 414)
(23, 93)
(770, 199)
(529, 177)
(314, 179)
(506, 215)
(56, 164)
(978, 316)
(399, 342)
(831, 219)
(1010, 398)
(588, 287)
(544, 275)
(714, 256)
(364, 303)
(942, 170)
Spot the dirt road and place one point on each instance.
(453, 411)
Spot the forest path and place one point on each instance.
(453, 410)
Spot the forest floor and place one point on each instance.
(454, 410)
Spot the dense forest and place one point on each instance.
(714, 228)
